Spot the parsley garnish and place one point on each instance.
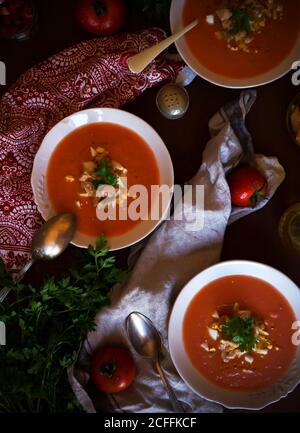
(105, 175)
(240, 331)
(45, 326)
(241, 21)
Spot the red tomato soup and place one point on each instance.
(122, 145)
(268, 48)
(266, 304)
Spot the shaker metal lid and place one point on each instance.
(172, 101)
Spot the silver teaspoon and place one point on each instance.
(146, 341)
(48, 242)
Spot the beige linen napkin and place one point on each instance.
(170, 258)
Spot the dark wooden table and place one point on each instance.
(254, 237)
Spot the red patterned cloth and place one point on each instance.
(92, 73)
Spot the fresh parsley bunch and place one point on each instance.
(45, 326)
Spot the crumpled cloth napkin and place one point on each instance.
(92, 73)
(171, 257)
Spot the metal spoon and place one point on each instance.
(146, 341)
(49, 242)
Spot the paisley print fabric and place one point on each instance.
(92, 73)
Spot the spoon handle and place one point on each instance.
(20, 275)
(175, 403)
(140, 61)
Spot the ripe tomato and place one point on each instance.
(113, 369)
(247, 186)
(101, 17)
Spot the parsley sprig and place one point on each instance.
(45, 326)
(240, 331)
(105, 175)
(241, 20)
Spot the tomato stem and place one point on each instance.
(258, 195)
(108, 369)
(100, 7)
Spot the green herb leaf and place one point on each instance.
(45, 326)
(240, 331)
(241, 21)
(105, 175)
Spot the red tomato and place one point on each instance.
(101, 17)
(247, 186)
(113, 369)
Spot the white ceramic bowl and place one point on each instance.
(283, 68)
(199, 384)
(120, 117)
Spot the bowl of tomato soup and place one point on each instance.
(106, 166)
(234, 335)
(239, 44)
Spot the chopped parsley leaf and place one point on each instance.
(105, 175)
(240, 331)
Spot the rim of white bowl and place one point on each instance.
(179, 320)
